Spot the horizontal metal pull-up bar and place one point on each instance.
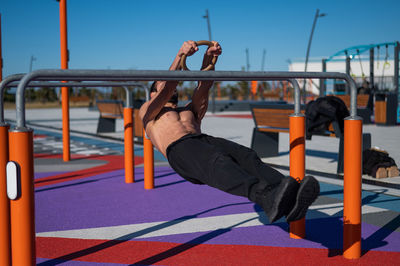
(12, 81)
(352, 132)
(79, 84)
(6, 83)
(128, 111)
(86, 84)
(146, 75)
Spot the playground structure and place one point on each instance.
(355, 52)
(21, 139)
(376, 68)
(376, 74)
(387, 98)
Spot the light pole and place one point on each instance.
(247, 60)
(263, 60)
(31, 63)
(207, 17)
(317, 15)
(248, 69)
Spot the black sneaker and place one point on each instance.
(306, 195)
(278, 199)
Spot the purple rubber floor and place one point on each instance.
(105, 200)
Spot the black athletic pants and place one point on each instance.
(220, 163)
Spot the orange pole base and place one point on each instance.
(297, 164)
(5, 233)
(352, 188)
(148, 154)
(23, 208)
(297, 229)
(129, 146)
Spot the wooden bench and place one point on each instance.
(110, 110)
(363, 110)
(385, 108)
(79, 100)
(83, 98)
(271, 119)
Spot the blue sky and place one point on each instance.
(131, 34)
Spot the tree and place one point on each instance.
(9, 97)
(234, 91)
(46, 94)
(244, 89)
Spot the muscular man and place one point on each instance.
(222, 164)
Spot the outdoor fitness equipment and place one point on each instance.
(12, 81)
(354, 51)
(386, 65)
(209, 67)
(21, 144)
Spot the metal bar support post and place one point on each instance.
(371, 67)
(64, 90)
(5, 216)
(348, 69)
(129, 153)
(5, 226)
(22, 209)
(322, 82)
(297, 156)
(396, 71)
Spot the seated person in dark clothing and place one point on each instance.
(222, 164)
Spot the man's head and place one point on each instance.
(174, 97)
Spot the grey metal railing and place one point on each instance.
(297, 103)
(12, 81)
(3, 85)
(147, 75)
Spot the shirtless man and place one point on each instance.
(222, 164)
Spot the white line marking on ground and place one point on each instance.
(335, 208)
(154, 229)
(184, 226)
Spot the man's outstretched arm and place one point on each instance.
(165, 89)
(200, 94)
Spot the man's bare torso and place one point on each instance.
(171, 124)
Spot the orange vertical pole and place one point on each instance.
(254, 87)
(129, 148)
(148, 154)
(297, 164)
(22, 209)
(1, 57)
(64, 90)
(285, 97)
(5, 244)
(352, 188)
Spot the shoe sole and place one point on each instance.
(284, 200)
(307, 194)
